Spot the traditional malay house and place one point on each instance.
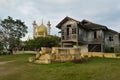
(94, 37)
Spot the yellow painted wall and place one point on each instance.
(99, 54)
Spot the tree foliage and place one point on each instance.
(37, 43)
(11, 31)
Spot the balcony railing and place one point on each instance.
(71, 37)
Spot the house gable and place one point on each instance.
(65, 20)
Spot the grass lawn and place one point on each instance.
(95, 69)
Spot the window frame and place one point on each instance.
(111, 38)
(95, 34)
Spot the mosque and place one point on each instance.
(41, 30)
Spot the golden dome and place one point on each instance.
(41, 30)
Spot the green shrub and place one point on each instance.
(4, 52)
(117, 54)
(108, 50)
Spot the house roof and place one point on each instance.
(110, 30)
(64, 20)
(92, 26)
(84, 23)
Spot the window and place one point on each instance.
(68, 26)
(67, 30)
(73, 30)
(63, 34)
(95, 35)
(62, 37)
(110, 38)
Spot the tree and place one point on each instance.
(37, 43)
(11, 31)
(1, 46)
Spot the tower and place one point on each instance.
(34, 28)
(48, 24)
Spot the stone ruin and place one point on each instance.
(58, 54)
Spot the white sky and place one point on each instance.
(105, 12)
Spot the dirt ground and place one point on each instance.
(5, 62)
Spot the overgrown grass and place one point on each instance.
(95, 69)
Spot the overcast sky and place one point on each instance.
(105, 12)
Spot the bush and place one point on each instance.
(117, 54)
(37, 43)
(4, 52)
(108, 50)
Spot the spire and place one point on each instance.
(42, 21)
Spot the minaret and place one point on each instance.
(48, 24)
(34, 28)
